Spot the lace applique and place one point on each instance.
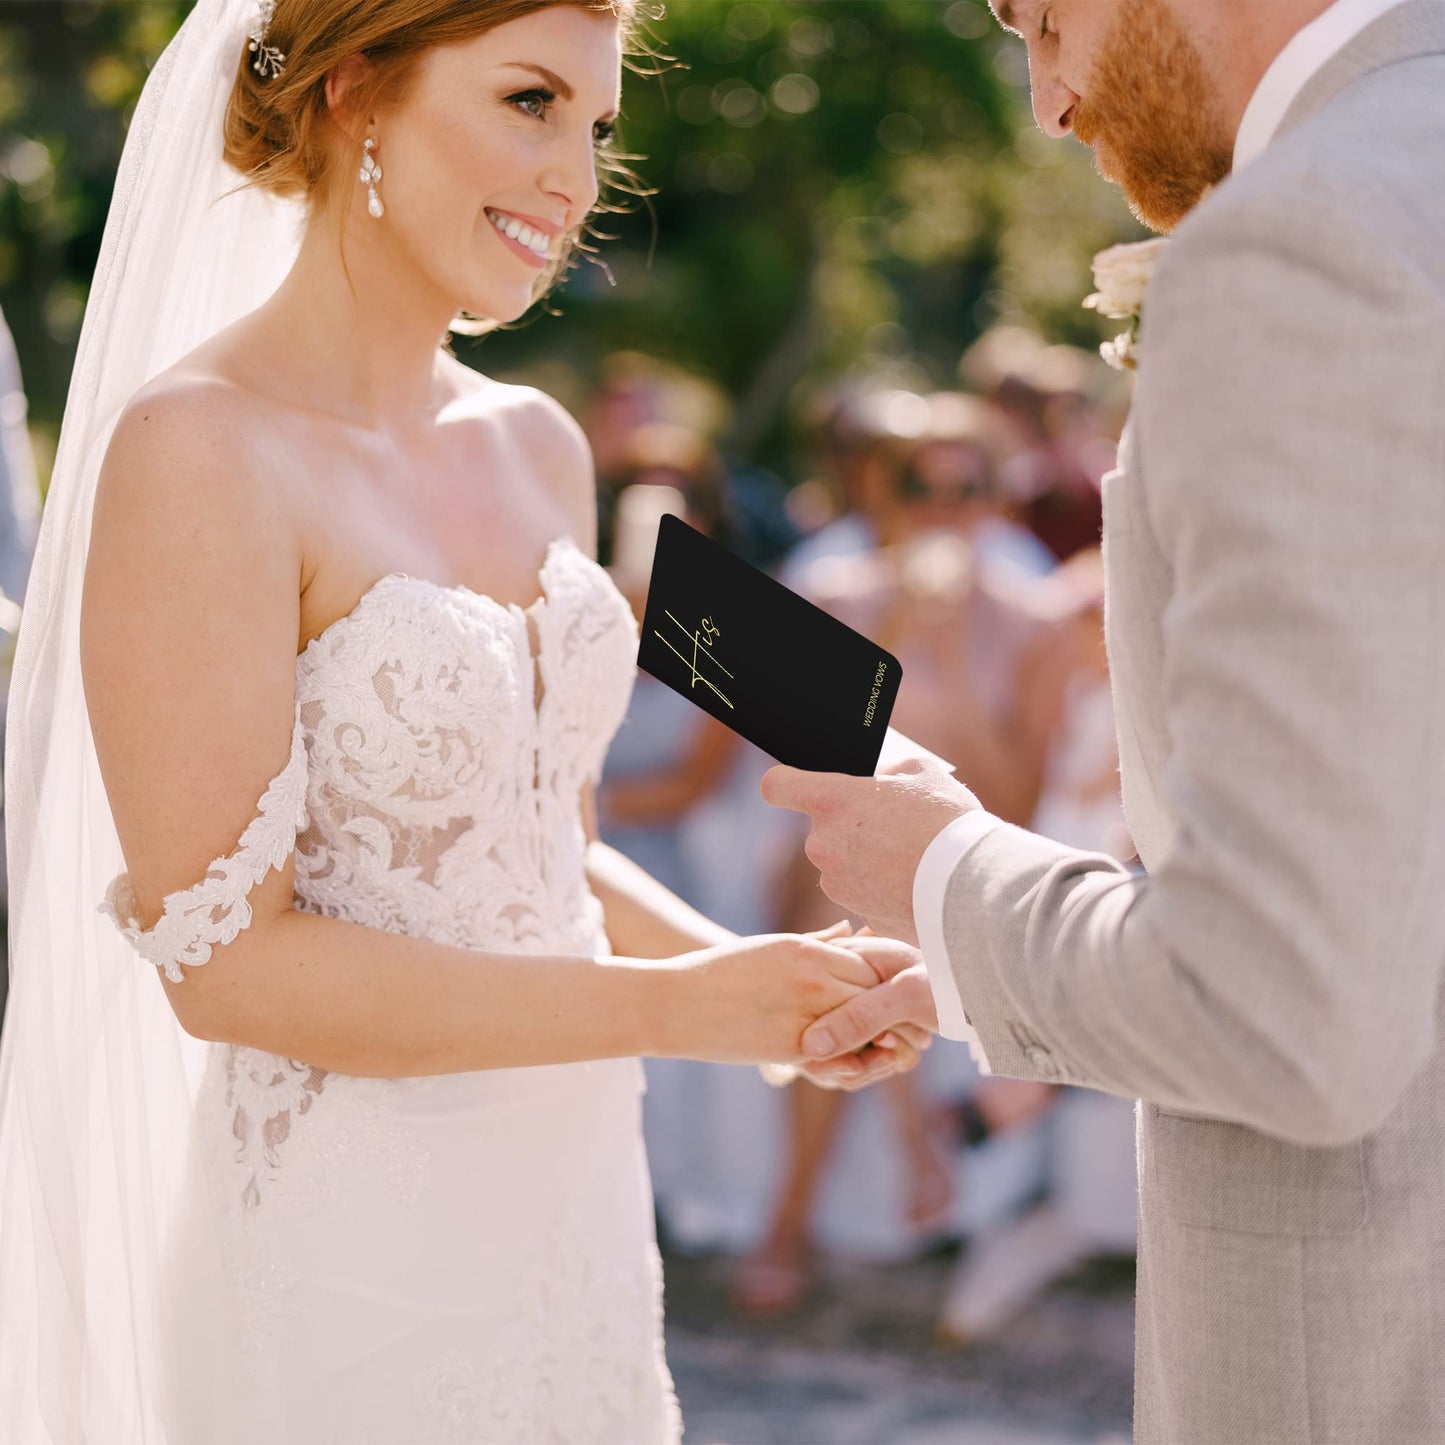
(586, 1363)
(216, 909)
(266, 1095)
(443, 794)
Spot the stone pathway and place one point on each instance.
(859, 1364)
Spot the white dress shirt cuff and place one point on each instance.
(930, 883)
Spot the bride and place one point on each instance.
(315, 680)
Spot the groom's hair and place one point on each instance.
(276, 131)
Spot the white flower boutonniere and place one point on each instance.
(1121, 277)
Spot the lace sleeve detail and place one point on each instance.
(216, 909)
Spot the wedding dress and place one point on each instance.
(425, 1261)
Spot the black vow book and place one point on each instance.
(806, 688)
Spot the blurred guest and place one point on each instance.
(1059, 445)
(853, 440)
(959, 633)
(860, 443)
(662, 454)
(966, 448)
(1066, 703)
(1066, 707)
(635, 391)
(667, 757)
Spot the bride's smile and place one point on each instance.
(531, 237)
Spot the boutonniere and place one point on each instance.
(1121, 280)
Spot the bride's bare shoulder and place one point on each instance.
(196, 428)
(188, 413)
(186, 477)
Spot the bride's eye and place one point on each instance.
(604, 131)
(535, 102)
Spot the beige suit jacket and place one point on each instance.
(1276, 625)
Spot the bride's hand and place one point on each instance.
(748, 1001)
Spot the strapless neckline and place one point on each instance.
(446, 589)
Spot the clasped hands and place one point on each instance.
(866, 838)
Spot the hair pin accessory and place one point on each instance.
(268, 58)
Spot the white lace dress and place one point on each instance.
(461, 1258)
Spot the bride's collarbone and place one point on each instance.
(479, 516)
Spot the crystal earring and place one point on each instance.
(370, 174)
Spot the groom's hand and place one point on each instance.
(868, 834)
(896, 1050)
(840, 1045)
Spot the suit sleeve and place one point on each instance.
(1280, 966)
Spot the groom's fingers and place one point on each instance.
(905, 999)
(784, 787)
(833, 930)
(915, 1034)
(896, 1052)
(862, 1070)
(849, 1073)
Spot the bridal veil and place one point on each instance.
(96, 1076)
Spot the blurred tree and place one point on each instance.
(839, 183)
(70, 72)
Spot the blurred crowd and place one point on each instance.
(959, 530)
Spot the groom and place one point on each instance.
(1275, 547)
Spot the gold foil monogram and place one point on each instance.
(700, 640)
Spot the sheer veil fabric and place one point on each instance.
(96, 1076)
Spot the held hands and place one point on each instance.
(750, 1000)
(874, 1055)
(838, 1045)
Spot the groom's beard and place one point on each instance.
(1152, 117)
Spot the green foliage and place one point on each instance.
(70, 73)
(815, 162)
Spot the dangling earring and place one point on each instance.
(370, 174)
